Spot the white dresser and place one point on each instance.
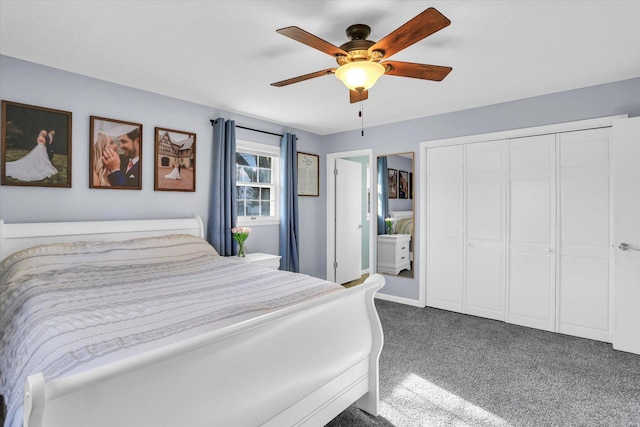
(393, 253)
(266, 260)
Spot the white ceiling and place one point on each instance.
(225, 54)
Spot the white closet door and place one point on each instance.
(445, 237)
(585, 239)
(532, 232)
(626, 259)
(485, 229)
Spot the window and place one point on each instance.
(257, 182)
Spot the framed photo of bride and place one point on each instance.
(36, 146)
(175, 160)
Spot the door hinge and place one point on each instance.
(335, 172)
(335, 264)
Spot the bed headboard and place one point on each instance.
(18, 236)
(401, 214)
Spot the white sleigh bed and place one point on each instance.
(300, 364)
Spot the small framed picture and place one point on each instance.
(403, 185)
(175, 160)
(393, 183)
(115, 154)
(308, 174)
(36, 146)
(411, 185)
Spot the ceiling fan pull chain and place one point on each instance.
(361, 120)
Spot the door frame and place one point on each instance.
(331, 205)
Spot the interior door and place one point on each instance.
(626, 288)
(348, 220)
(532, 232)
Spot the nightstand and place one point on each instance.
(265, 260)
(393, 253)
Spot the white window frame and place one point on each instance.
(272, 151)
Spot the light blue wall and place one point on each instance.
(621, 97)
(29, 83)
(34, 84)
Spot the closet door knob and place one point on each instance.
(549, 250)
(627, 247)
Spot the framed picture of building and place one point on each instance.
(36, 146)
(175, 160)
(115, 154)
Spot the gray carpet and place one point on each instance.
(440, 368)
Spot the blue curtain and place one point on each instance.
(289, 233)
(383, 194)
(224, 204)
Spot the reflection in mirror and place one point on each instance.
(395, 214)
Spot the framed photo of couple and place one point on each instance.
(115, 154)
(175, 160)
(36, 146)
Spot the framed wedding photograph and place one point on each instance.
(175, 160)
(115, 154)
(308, 174)
(393, 183)
(36, 146)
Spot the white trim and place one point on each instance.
(331, 203)
(258, 147)
(266, 150)
(530, 131)
(400, 300)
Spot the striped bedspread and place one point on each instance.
(66, 308)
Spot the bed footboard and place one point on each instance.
(299, 366)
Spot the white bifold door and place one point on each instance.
(520, 230)
(445, 227)
(585, 271)
(466, 228)
(532, 232)
(485, 218)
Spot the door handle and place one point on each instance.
(359, 225)
(627, 247)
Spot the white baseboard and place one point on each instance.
(401, 300)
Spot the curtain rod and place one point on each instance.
(213, 121)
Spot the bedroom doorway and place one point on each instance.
(349, 215)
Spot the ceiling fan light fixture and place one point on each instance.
(360, 75)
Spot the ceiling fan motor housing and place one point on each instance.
(358, 46)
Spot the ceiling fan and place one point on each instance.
(361, 61)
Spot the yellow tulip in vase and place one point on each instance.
(240, 234)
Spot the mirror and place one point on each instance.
(395, 214)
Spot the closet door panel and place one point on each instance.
(485, 227)
(445, 237)
(532, 232)
(483, 285)
(585, 238)
(584, 291)
(532, 290)
(585, 273)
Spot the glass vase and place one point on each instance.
(242, 251)
(390, 229)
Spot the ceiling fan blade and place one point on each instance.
(423, 25)
(309, 39)
(416, 71)
(304, 77)
(355, 96)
